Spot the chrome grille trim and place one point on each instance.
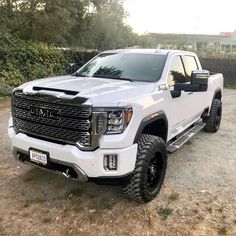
(73, 126)
(62, 122)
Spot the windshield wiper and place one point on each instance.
(106, 77)
(102, 76)
(79, 75)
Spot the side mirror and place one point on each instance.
(175, 94)
(200, 77)
(198, 82)
(72, 68)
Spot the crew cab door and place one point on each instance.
(197, 99)
(182, 108)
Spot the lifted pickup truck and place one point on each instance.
(116, 118)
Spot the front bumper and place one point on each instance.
(86, 163)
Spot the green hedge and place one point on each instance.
(79, 56)
(24, 61)
(21, 62)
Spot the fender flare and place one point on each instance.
(206, 112)
(150, 119)
(214, 95)
(217, 91)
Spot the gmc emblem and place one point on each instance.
(44, 112)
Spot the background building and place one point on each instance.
(225, 41)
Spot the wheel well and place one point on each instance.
(218, 95)
(157, 128)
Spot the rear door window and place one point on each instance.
(190, 64)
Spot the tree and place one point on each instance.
(74, 23)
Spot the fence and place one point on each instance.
(225, 66)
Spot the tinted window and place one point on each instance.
(136, 67)
(176, 72)
(190, 64)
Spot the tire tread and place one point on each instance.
(210, 122)
(134, 189)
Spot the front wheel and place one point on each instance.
(150, 169)
(214, 120)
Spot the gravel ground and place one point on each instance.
(198, 196)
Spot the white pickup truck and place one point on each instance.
(115, 119)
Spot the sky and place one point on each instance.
(181, 16)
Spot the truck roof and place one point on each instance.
(145, 51)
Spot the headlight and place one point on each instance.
(117, 119)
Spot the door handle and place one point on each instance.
(189, 93)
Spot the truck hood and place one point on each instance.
(99, 91)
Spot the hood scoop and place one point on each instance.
(67, 92)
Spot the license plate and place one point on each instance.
(38, 157)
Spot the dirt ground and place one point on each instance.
(198, 196)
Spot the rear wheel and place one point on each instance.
(214, 120)
(150, 169)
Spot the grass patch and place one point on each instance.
(195, 211)
(165, 212)
(92, 195)
(35, 200)
(47, 220)
(2, 230)
(103, 204)
(211, 201)
(4, 167)
(210, 210)
(25, 214)
(27, 179)
(189, 142)
(77, 192)
(220, 210)
(174, 196)
(222, 230)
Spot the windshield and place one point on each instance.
(125, 66)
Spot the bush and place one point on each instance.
(24, 61)
(79, 56)
(5, 91)
(21, 62)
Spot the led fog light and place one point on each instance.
(110, 162)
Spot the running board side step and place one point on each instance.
(186, 136)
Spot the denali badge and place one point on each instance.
(44, 112)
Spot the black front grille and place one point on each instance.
(71, 123)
